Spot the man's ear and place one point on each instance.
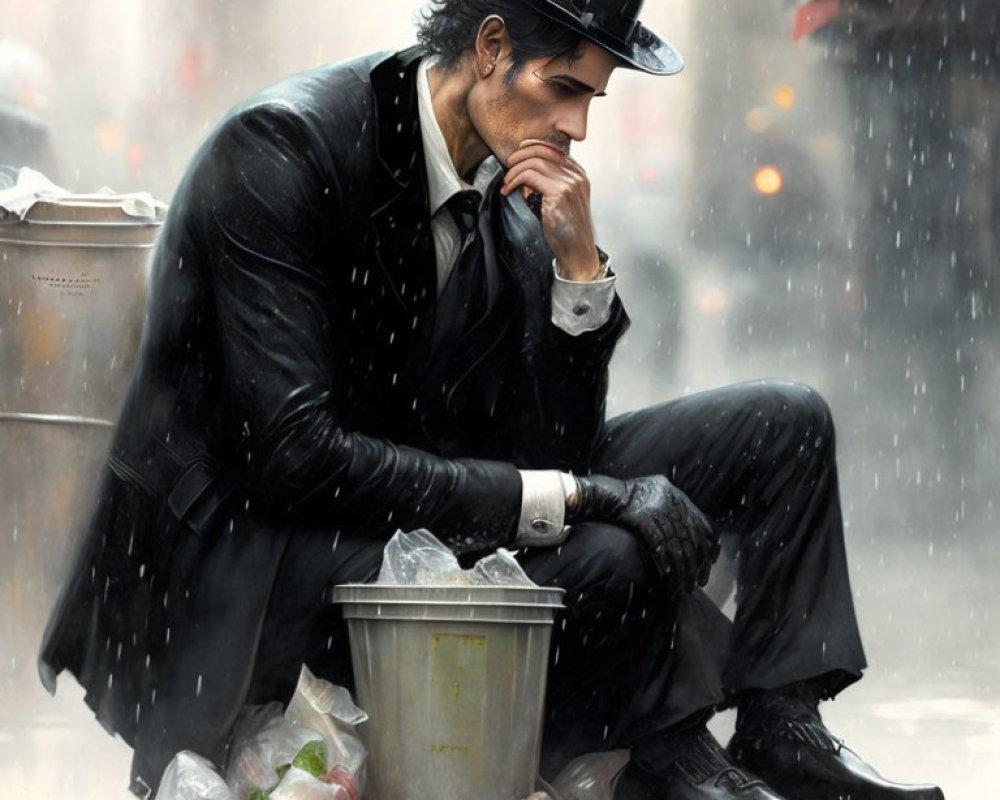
(492, 44)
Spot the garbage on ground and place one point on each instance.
(314, 736)
(256, 762)
(300, 784)
(590, 776)
(419, 558)
(327, 709)
(191, 777)
(309, 752)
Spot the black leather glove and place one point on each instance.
(679, 536)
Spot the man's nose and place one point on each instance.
(574, 123)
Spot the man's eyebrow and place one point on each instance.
(577, 84)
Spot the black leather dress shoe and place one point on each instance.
(784, 740)
(699, 769)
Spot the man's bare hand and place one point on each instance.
(547, 169)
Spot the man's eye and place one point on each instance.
(562, 88)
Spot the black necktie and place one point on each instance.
(462, 300)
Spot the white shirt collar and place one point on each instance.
(443, 179)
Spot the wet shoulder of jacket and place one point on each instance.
(326, 112)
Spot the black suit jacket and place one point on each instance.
(285, 383)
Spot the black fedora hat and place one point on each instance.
(615, 26)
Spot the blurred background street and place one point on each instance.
(815, 198)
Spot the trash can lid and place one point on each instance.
(34, 198)
(98, 209)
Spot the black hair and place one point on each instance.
(448, 28)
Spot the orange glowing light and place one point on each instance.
(109, 137)
(712, 301)
(784, 97)
(768, 180)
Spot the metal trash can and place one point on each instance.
(72, 288)
(453, 681)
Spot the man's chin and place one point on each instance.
(502, 160)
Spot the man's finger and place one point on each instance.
(561, 147)
(537, 151)
(548, 169)
(538, 164)
(534, 179)
(548, 154)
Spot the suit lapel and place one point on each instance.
(404, 246)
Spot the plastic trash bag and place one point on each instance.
(298, 784)
(500, 569)
(590, 776)
(190, 777)
(327, 709)
(544, 791)
(314, 735)
(255, 759)
(419, 558)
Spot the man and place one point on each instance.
(357, 323)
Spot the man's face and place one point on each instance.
(549, 100)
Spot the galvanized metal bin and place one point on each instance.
(453, 680)
(72, 288)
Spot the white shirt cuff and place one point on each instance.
(543, 508)
(581, 306)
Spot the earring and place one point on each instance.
(488, 70)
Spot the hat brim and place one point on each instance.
(647, 52)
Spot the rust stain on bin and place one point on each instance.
(449, 748)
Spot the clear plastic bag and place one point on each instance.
(298, 784)
(419, 558)
(268, 741)
(255, 759)
(590, 776)
(190, 777)
(327, 709)
(500, 569)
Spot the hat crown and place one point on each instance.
(614, 25)
(618, 19)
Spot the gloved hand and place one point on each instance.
(679, 536)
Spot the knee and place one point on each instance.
(800, 416)
(613, 561)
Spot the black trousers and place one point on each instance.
(631, 656)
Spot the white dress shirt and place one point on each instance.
(577, 306)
